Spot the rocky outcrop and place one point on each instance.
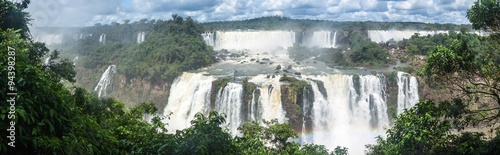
(130, 91)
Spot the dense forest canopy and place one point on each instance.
(171, 46)
(286, 23)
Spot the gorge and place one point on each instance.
(323, 105)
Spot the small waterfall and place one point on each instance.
(102, 38)
(47, 61)
(322, 39)
(229, 101)
(270, 101)
(209, 38)
(254, 110)
(105, 85)
(189, 94)
(407, 91)
(141, 36)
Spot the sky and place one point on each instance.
(78, 13)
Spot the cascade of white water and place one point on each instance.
(141, 37)
(189, 94)
(253, 40)
(407, 91)
(105, 85)
(47, 61)
(334, 45)
(253, 109)
(209, 38)
(102, 38)
(229, 102)
(322, 39)
(351, 114)
(269, 101)
(267, 40)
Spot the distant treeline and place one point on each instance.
(286, 23)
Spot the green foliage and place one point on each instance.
(364, 51)
(171, 47)
(425, 129)
(205, 136)
(64, 68)
(13, 16)
(469, 65)
(285, 23)
(485, 14)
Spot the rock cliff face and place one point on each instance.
(130, 91)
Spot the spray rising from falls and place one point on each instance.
(398, 35)
(105, 85)
(350, 111)
(407, 91)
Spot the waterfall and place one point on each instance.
(105, 85)
(47, 61)
(50, 39)
(397, 35)
(189, 94)
(267, 40)
(229, 102)
(269, 101)
(102, 38)
(350, 114)
(253, 109)
(407, 91)
(209, 38)
(141, 36)
(253, 40)
(322, 39)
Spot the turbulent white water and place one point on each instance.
(351, 113)
(407, 91)
(102, 38)
(397, 35)
(345, 110)
(268, 40)
(269, 100)
(253, 40)
(141, 36)
(229, 101)
(189, 94)
(105, 85)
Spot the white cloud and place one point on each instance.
(89, 12)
